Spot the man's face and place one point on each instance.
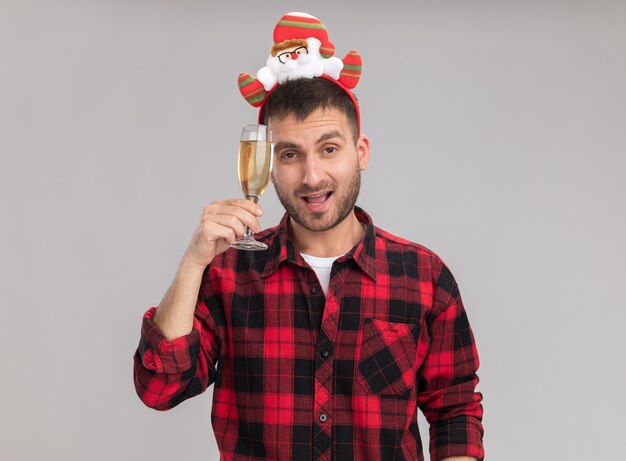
(317, 167)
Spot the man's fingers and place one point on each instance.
(224, 232)
(224, 214)
(247, 218)
(230, 221)
(236, 219)
(248, 205)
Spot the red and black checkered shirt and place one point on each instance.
(303, 376)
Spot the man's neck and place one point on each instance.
(333, 242)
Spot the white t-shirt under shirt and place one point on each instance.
(322, 267)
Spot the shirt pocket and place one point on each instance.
(386, 357)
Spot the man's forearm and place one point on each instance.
(174, 316)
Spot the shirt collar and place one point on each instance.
(281, 248)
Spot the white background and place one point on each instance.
(498, 134)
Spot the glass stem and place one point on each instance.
(248, 233)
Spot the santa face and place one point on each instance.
(297, 62)
(292, 54)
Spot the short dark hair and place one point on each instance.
(302, 97)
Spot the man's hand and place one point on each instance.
(222, 222)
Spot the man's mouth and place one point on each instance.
(318, 198)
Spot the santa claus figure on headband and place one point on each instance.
(301, 49)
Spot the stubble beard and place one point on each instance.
(344, 204)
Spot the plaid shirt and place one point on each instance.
(300, 376)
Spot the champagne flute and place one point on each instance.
(255, 167)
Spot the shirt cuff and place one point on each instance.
(163, 356)
(459, 436)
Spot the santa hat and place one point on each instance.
(302, 26)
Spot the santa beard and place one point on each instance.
(343, 203)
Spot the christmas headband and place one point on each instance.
(301, 50)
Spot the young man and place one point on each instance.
(324, 346)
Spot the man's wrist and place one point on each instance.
(190, 266)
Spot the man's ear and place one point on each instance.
(363, 151)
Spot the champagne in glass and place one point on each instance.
(255, 163)
(255, 167)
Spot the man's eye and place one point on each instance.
(330, 150)
(288, 155)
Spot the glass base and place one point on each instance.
(248, 243)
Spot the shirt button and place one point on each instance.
(314, 290)
(323, 417)
(325, 353)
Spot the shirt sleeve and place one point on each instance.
(169, 372)
(447, 379)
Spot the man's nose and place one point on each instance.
(312, 173)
